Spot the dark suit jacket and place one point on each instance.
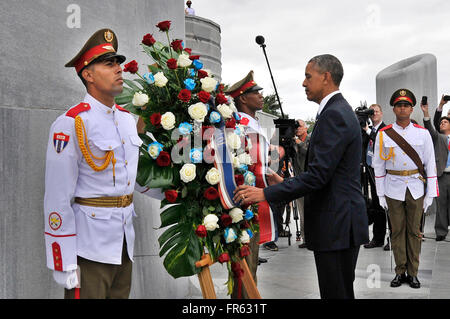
(335, 211)
(440, 147)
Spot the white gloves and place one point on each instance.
(427, 201)
(382, 201)
(67, 279)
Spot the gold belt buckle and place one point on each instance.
(124, 200)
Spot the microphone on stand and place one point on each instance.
(260, 40)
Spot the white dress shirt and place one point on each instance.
(94, 233)
(394, 186)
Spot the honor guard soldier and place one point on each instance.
(406, 182)
(91, 168)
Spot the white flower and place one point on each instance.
(233, 141)
(160, 80)
(235, 161)
(236, 214)
(187, 172)
(168, 121)
(244, 238)
(208, 84)
(232, 106)
(213, 176)
(140, 99)
(210, 222)
(225, 111)
(198, 111)
(184, 61)
(245, 158)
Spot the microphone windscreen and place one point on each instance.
(260, 39)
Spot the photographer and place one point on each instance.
(301, 139)
(376, 212)
(438, 113)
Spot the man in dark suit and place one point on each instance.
(441, 142)
(377, 215)
(335, 210)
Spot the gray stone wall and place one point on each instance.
(418, 74)
(203, 37)
(35, 88)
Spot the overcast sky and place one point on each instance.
(366, 36)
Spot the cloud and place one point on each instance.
(367, 36)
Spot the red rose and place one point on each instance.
(148, 40)
(244, 225)
(131, 67)
(203, 96)
(201, 231)
(164, 25)
(226, 220)
(155, 119)
(184, 95)
(202, 74)
(194, 57)
(172, 64)
(211, 193)
(188, 50)
(221, 87)
(224, 257)
(245, 251)
(171, 195)
(177, 45)
(230, 123)
(221, 99)
(163, 159)
(239, 178)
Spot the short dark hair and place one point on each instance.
(329, 63)
(444, 118)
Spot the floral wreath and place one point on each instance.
(180, 102)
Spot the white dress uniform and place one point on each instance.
(71, 229)
(394, 186)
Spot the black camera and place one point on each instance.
(446, 97)
(424, 100)
(362, 113)
(287, 128)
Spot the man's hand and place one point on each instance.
(66, 279)
(382, 201)
(424, 108)
(273, 178)
(246, 195)
(427, 201)
(441, 104)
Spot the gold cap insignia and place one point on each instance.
(402, 92)
(109, 36)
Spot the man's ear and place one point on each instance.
(87, 74)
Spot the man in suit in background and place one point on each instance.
(377, 215)
(335, 210)
(441, 142)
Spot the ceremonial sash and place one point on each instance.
(222, 161)
(267, 229)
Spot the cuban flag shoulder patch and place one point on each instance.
(60, 141)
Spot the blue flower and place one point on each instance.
(236, 116)
(185, 128)
(154, 149)
(197, 64)
(215, 117)
(196, 155)
(242, 168)
(248, 214)
(149, 78)
(249, 178)
(191, 72)
(249, 232)
(229, 235)
(190, 84)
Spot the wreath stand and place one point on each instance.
(207, 286)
